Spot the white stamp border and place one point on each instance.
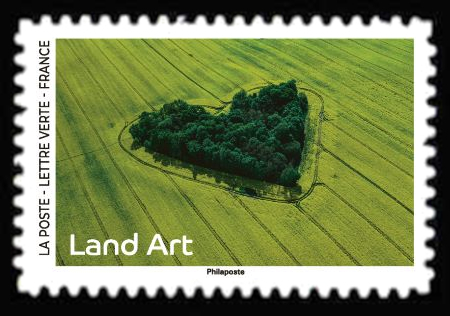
(39, 272)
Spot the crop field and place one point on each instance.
(353, 204)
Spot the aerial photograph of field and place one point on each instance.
(261, 152)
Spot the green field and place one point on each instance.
(353, 204)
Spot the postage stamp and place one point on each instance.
(261, 156)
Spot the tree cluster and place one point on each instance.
(261, 137)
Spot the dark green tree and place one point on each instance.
(261, 136)
(289, 176)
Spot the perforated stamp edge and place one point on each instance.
(38, 273)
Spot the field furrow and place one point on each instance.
(175, 215)
(385, 52)
(388, 215)
(93, 161)
(305, 240)
(376, 153)
(266, 229)
(388, 194)
(372, 224)
(329, 235)
(374, 82)
(92, 223)
(238, 229)
(205, 221)
(383, 125)
(207, 66)
(347, 227)
(187, 76)
(409, 50)
(375, 77)
(388, 73)
(357, 179)
(373, 99)
(360, 158)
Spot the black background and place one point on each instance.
(15, 9)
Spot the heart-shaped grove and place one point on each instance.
(260, 137)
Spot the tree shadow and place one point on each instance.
(234, 182)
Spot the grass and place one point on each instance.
(363, 184)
